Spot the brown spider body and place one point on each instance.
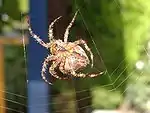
(68, 57)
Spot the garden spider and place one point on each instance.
(68, 57)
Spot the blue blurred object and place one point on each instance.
(37, 97)
(37, 88)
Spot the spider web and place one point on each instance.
(111, 86)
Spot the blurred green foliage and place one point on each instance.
(118, 28)
(136, 16)
(15, 78)
(104, 26)
(138, 92)
(14, 8)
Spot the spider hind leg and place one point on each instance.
(86, 47)
(82, 75)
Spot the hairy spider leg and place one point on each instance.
(51, 69)
(53, 73)
(37, 38)
(68, 28)
(86, 47)
(44, 67)
(50, 30)
(61, 67)
(82, 75)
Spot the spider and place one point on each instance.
(68, 57)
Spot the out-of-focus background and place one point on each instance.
(13, 88)
(118, 33)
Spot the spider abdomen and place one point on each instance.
(73, 59)
(74, 62)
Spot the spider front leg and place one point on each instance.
(86, 47)
(68, 28)
(50, 30)
(37, 38)
(52, 70)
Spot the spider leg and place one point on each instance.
(52, 69)
(50, 30)
(68, 28)
(37, 38)
(86, 47)
(62, 70)
(94, 74)
(44, 67)
(61, 67)
(53, 73)
(82, 75)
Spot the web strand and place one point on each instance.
(24, 49)
(10, 109)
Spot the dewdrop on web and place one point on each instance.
(139, 65)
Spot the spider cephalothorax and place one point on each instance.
(68, 57)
